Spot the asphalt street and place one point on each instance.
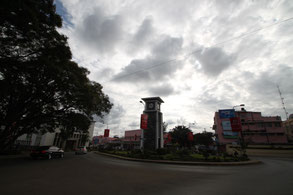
(95, 174)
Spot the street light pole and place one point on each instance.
(142, 133)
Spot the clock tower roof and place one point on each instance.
(151, 99)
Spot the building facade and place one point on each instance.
(54, 139)
(153, 134)
(132, 139)
(255, 129)
(288, 124)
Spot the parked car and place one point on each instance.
(81, 150)
(47, 152)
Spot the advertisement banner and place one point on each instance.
(228, 113)
(236, 124)
(106, 132)
(230, 133)
(96, 140)
(226, 125)
(144, 121)
(190, 136)
(169, 137)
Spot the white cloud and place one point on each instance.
(121, 41)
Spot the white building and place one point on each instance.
(54, 139)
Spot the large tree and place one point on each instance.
(204, 138)
(179, 135)
(41, 88)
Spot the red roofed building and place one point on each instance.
(105, 141)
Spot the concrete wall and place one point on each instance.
(47, 139)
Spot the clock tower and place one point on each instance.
(153, 135)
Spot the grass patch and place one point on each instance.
(180, 155)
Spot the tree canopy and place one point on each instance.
(205, 138)
(41, 87)
(179, 135)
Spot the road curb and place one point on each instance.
(250, 162)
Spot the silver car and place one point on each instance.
(81, 150)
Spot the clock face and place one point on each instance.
(151, 105)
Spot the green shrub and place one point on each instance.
(162, 151)
(170, 157)
(183, 152)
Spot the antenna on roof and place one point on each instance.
(282, 100)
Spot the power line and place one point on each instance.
(151, 67)
(199, 50)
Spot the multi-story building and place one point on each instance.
(55, 139)
(100, 140)
(132, 139)
(255, 128)
(288, 124)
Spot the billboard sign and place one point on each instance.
(96, 140)
(106, 132)
(144, 121)
(236, 124)
(230, 133)
(226, 125)
(228, 113)
(190, 136)
(169, 137)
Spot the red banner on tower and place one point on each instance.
(235, 124)
(169, 137)
(190, 136)
(144, 121)
(106, 132)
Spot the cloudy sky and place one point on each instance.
(198, 56)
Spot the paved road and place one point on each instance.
(94, 174)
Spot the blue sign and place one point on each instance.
(230, 133)
(228, 113)
(226, 125)
(96, 140)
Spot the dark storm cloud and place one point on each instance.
(103, 74)
(113, 118)
(262, 87)
(101, 32)
(144, 32)
(170, 122)
(134, 125)
(264, 84)
(213, 101)
(156, 65)
(162, 90)
(214, 61)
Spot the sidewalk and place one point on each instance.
(14, 156)
(250, 162)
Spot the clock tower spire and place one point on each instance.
(153, 135)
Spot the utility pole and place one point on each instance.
(282, 101)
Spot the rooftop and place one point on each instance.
(153, 99)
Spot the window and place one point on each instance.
(277, 124)
(269, 124)
(260, 125)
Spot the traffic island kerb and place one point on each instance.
(238, 163)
